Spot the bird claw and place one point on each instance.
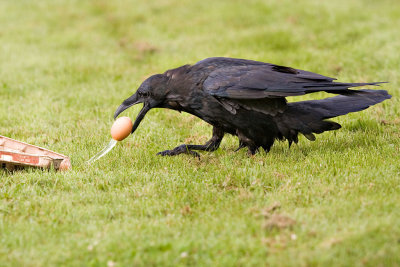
(179, 150)
(240, 147)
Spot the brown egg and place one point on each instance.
(121, 128)
(65, 165)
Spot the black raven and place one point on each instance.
(247, 98)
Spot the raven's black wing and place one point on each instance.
(236, 81)
(254, 81)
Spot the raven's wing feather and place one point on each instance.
(268, 81)
(269, 106)
(262, 86)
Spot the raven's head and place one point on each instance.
(152, 93)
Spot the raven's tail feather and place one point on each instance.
(308, 117)
(335, 87)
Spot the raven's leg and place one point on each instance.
(244, 141)
(211, 145)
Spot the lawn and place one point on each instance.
(65, 66)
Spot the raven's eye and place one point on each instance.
(144, 94)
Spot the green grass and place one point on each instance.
(65, 66)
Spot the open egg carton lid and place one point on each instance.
(16, 154)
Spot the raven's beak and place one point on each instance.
(133, 100)
(139, 118)
(129, 102)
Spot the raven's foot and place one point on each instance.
(210, 145)
(244, 141)
(182, 149)
(241, 145)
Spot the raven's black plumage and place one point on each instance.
(247, 99)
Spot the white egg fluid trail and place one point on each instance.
(103, 152)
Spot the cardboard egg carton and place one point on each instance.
(16, 155)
